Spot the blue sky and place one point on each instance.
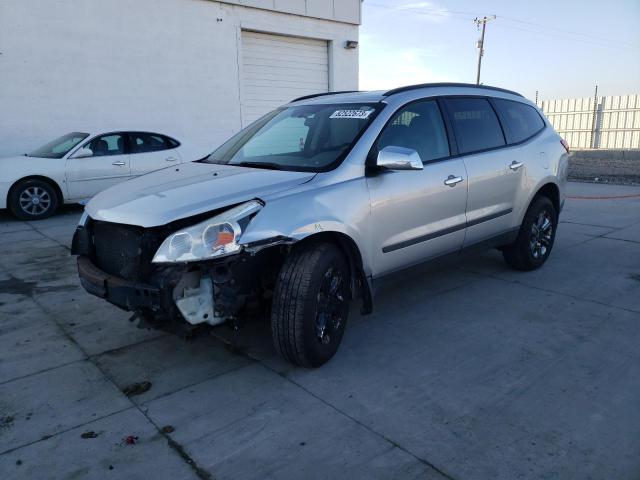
(560, 48)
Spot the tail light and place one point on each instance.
(564, 144)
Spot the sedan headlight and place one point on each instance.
(212, 238)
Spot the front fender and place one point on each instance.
(342, 208)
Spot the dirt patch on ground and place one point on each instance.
(17, 286)
(619, 167)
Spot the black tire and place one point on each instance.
(535, 238)
(312, 290)
(33, 199)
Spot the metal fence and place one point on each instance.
(602, 122)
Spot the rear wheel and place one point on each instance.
(311, 305)
(535, 238)
(33, 200)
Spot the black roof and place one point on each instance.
(425, 85)
(313, 95)
(413, 87)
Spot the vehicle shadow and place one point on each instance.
(73, 209)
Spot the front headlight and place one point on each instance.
(212, 238)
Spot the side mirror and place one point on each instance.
(83, 152)
(399, 158)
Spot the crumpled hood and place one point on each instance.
(186, 190)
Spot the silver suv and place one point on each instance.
(317, 202)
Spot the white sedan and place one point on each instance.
(76, 166)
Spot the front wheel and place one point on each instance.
(310, 304)
(33, 200)
(535, 238)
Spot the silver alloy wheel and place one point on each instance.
(541, 233)
(34, 200)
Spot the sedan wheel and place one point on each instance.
(33, 200)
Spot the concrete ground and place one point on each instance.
(471, 371)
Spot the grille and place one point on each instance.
(126, 251)
(123, 250)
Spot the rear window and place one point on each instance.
(142, 142)
(521, 121)
(475, 124)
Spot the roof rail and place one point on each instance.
(447, 84)
(322, 95)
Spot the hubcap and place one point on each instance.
(330, 305)
(541, 233)
(34, 200)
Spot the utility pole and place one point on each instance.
(480, 43)
(592, 136)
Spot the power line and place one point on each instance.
(426, 11)
(569, 32)
(577, 40)
(557, 32)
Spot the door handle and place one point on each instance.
(452, 181)
(119, 163)
(171, 159)
(515, 165)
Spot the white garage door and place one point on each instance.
(276, 69)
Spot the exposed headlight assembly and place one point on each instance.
(212, 238)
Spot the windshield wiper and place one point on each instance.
(267, 165)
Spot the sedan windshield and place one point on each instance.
(59, 147)
(303, 138)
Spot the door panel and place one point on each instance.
(493, 187)
(90, 175)
(415, 216)
(142, 163)
(150, 152)
(494, 172)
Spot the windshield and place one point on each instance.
(304, 138)
(59, 147)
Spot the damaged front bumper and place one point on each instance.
(192, 295)
(115, 264)
(118, 291)
(180, 298)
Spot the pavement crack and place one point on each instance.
(201, 473)
(622, 239)
(35, 229)
(44, 370)
(390, 441)
(424, 461)
(47, 437)
(546, 290)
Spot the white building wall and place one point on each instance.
(165, 65)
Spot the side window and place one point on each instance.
(142, 142)
(111, 144)
(171, 142)
(475, 124)
(418, 126)
(521, 121)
